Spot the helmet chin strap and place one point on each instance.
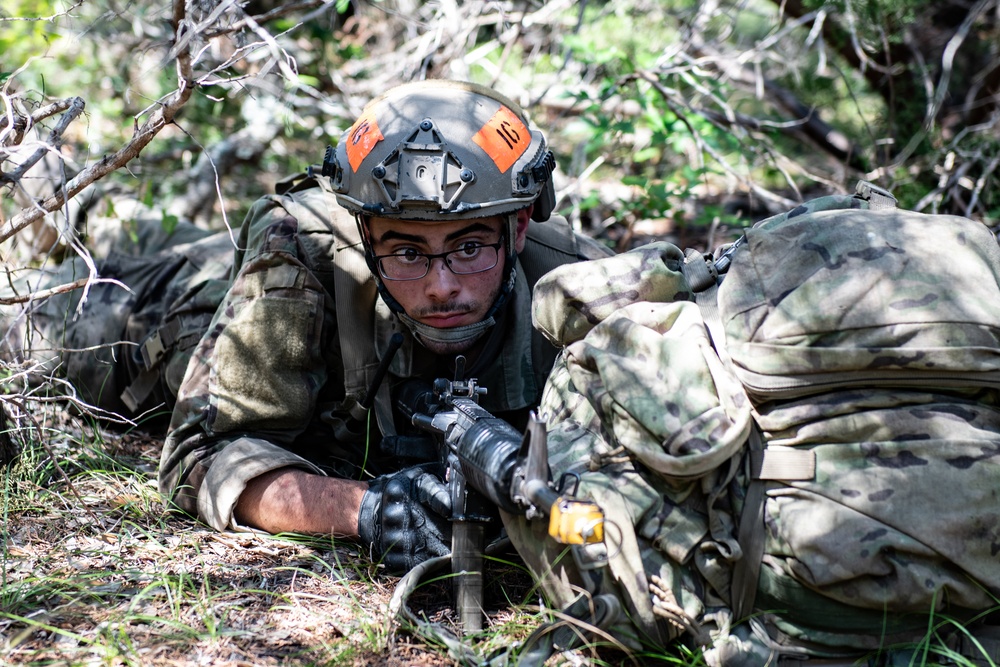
(457, 338)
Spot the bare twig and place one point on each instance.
(163, 115)
(74, 109)
(65, 12)
(37, 295)
(981, 183)
(20, 124)
(204, 187)
(936, 98)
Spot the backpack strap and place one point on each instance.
(548, 245)
(355, 294)
(702, 275)
(140, 389)
(750, 534)
(152, 352)
(355, 291)
(765, 464)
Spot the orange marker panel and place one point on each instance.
(362, 138)
(504, 138)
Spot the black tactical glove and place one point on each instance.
(404, 518)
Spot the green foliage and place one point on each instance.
(620, 38)
(646, 138)
(21, 39)
(684, 136)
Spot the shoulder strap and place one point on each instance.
(763, 463)
(354, 289)
(547, 245)
(779, 463)
(355, 294)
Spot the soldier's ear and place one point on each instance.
(523, 216)
(364, 229)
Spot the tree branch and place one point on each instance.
(163, 115)
(74, 109)
(44, 294)
(804, 119)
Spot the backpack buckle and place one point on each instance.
(156, 345)
(878, 198)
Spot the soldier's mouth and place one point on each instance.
(446, 320)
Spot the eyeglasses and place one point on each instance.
(470, 257)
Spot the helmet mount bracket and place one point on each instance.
(422, 172)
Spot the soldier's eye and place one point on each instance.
(469, 249)
(408, 256)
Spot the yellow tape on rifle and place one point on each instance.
(576, 522)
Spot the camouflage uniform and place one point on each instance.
(267, 389)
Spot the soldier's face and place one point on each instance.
(442, 298)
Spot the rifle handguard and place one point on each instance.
(507, 469)
(488, 451)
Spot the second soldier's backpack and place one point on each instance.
(798, 456)
(123, 340)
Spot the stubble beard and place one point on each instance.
(444, 348)
(447, 349)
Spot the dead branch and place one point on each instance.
(20, 124)
(163, 115)
(801, 117)
(43, 294)
(846, 43)
(936, 96)
(74, 109)
(8, 19)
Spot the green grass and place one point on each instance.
(94, 572)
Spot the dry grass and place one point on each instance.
(94, 573)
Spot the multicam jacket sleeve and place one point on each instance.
(253, 383)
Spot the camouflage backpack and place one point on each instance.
(794, 442)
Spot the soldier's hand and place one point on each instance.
(404, 518)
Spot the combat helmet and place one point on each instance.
(441, 150)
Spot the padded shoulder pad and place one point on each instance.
(553, 244)
(317, 211)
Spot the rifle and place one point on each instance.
(489, 462)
